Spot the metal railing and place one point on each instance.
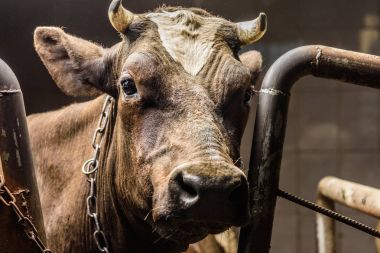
(19, 200)
(270, 125)
(356, 196)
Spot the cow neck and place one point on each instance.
(122, 229)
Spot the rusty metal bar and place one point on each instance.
(17, 166)
(270, 125)
(356, 196)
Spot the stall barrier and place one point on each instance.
(270, 125)
(21, 222)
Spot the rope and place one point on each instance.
(334, 215)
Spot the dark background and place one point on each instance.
(333, 128)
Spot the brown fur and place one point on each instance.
(176, 119)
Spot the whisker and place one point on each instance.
(238, 160)
(170, 236)
(147, 215)
(159, 239)
(156, 241)
(166, 237)
(151, 210)
(241, 165)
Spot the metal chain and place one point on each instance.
(9, 200)
(90, 168)
(334, 215)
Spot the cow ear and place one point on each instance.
(253, 61)
(77, 66)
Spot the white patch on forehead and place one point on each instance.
(187, 37)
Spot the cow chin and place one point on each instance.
(173, 225)
(182, 233)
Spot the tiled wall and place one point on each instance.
(333, 128)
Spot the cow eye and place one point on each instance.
(248, 96)
(129, 87)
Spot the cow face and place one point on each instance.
(183, 98)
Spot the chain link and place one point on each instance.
(90, 168)
(9, 199)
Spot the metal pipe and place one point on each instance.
(325, 227)
(377, 240)
(17, 166)
(356, 196)
(270, 125)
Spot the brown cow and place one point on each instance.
(169, 166)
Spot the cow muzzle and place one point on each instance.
(209, 193)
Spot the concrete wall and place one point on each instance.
(333, 127)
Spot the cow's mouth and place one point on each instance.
(184, 233)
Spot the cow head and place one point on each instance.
(183, 96)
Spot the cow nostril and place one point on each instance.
(186, 186)
(192, 191)
(237, 193)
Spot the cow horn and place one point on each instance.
(251, 31)
(120, 17)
